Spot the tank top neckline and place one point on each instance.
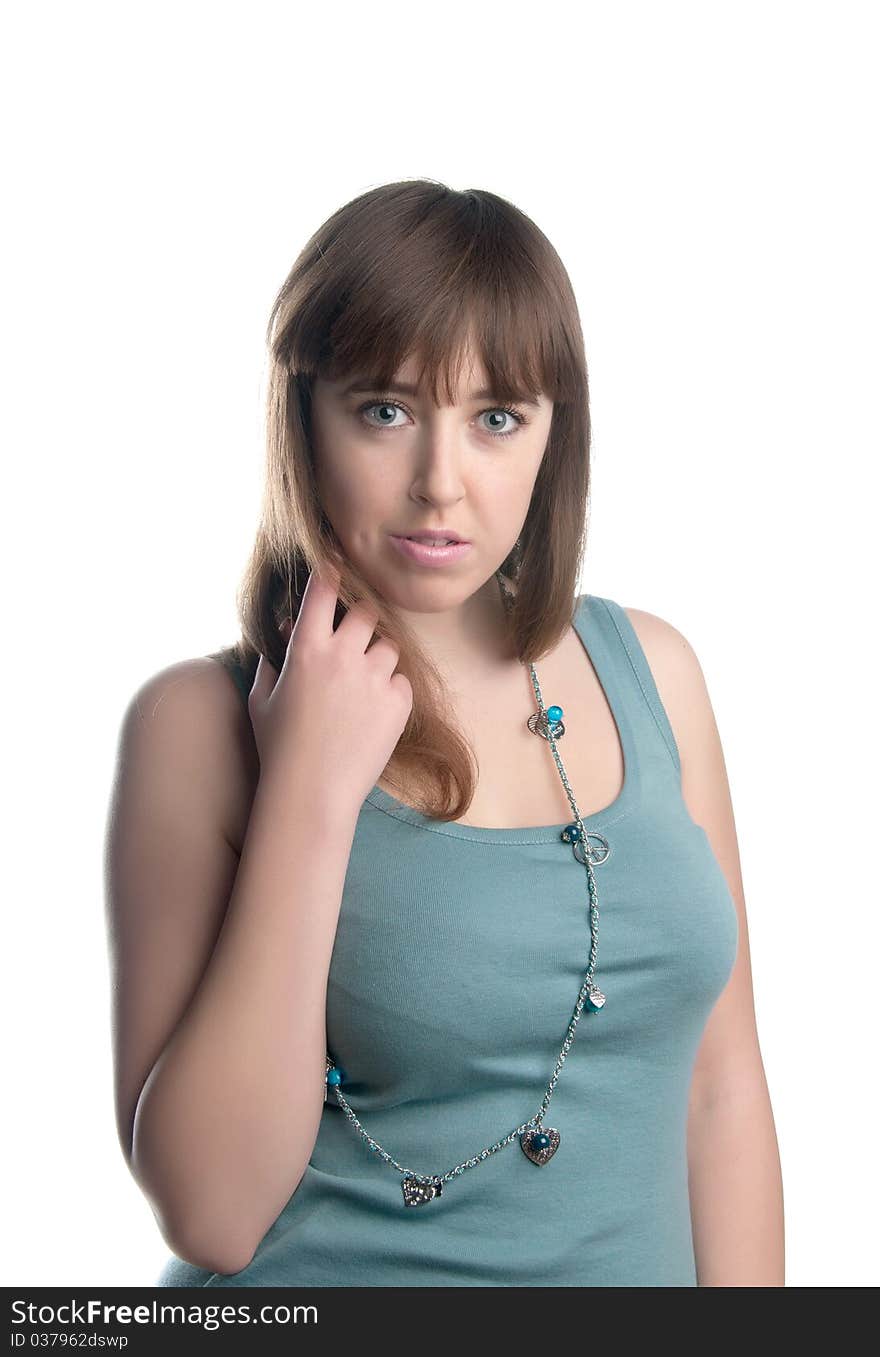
(587, 628)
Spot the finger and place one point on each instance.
(264, 678)
(317, 607)
(359, 624)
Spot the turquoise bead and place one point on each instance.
(554, 714)
(334, 1076)
(540, 1141)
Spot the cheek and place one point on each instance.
(353, 496)
(507, 496)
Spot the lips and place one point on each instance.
(440, 538)
(422, 553)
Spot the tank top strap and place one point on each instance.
(242, 674)
(625, 675)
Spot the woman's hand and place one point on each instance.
(336, 706)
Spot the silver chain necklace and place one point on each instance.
(539, 1142)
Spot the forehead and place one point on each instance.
(470, 382)
(468, 367)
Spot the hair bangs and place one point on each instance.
(442, 289)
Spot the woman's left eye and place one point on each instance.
(385, 403)
(511, 414)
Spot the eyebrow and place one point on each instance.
(368, 384)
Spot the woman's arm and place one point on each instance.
(736, 1188)
(219, 965)
(735, 1176)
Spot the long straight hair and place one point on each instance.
(417, 268)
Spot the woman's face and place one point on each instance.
(388, 470)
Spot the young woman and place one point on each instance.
(430, 954)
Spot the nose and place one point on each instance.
(438, 474)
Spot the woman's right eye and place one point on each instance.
(385, 407)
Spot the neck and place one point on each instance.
(470, 641)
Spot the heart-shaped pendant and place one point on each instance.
(417, 1191)
(540, 1143)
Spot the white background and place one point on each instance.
(708, 174)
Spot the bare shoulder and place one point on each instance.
(188, 684)
(683, 691)
(669, 653)
(190, 715)
(681, 684)
(673, 661)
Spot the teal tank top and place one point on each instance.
(458, 958)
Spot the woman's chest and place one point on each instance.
(479, 947)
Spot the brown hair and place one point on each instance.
(415, 267)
